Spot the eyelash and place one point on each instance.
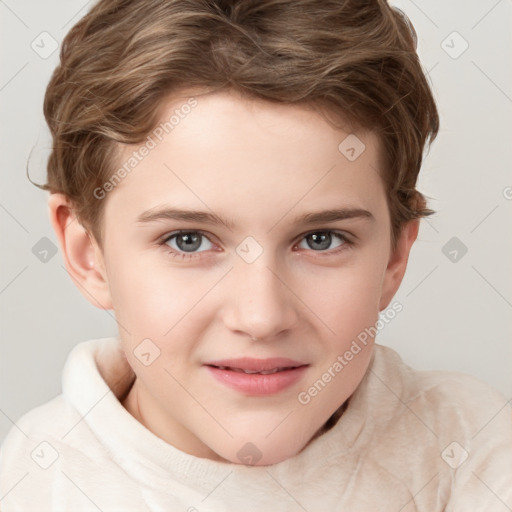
(347, 243)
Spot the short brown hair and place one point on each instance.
(352, 59)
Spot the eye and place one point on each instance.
(319, 241)
(185, 244)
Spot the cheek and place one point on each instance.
(347, 298)
(152, 298)
(156, 309)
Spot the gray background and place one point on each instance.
(457, 307)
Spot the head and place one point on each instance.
(253, 115)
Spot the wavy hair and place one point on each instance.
(351, 60)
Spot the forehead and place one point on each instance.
(233, 154)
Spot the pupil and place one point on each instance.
(192, 241)
(324, 239)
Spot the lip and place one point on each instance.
(258, 365)
(257, 384)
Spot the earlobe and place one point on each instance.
(397, 263)
(82, 257)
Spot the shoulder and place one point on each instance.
(453, 424)
(27, 449)
(47, 421)
(446, 394)
(33, 449)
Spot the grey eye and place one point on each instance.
(321, 240)
(187, 241)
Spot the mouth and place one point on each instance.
(257, 376)
(254, 372)
(254, 365)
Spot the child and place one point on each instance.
(236, 180)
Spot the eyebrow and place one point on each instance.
(331, 215)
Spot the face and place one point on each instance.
(256, 282)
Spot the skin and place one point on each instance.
(259, 165)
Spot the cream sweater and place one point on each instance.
(408, 441)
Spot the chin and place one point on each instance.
(262, 452)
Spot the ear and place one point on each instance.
(398, 262)
(82, 256)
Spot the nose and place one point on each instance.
(260, 302)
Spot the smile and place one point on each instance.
(262, 372)
(257, 382)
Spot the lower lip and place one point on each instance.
(258, 384)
